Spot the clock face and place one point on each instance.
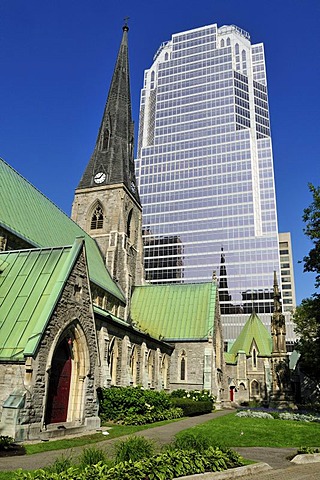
(99, 177)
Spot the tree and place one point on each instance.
(311, 217)
(307, 315)
(307, 320)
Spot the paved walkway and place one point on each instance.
(282, 468)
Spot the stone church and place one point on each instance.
(76, 313)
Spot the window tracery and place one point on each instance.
(97, 218)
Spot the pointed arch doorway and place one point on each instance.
(59, 384)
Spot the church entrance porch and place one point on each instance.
(68, 379)
(59, 384)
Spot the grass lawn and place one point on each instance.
(232, 431)
(114, 432)
(229, 431)
(6, 475)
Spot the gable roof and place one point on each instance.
(31, 282)
(27, 213)
(175, 312)
(253, 330)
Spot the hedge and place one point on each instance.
(191, 408)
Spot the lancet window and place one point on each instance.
(97, 218)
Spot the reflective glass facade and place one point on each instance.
(205, 168)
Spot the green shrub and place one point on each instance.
(307, 450)
(175, 463)
(191, 408)
(118, 402)
(136, 406)
(60, 465)
(92, 456)
(310, 407)
(153, 416)
(197, 441)
(5, 442)
(233, 458)
(71, 473)
(134, 448)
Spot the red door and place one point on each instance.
(59, 385)
(231, 394)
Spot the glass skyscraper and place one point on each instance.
(205, 169)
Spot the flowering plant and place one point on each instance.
(250, 414)
(196, 395)
(299, 417)
(282, 416)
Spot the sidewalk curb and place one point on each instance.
(306, 458)
(229, 474)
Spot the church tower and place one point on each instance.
(278, 323)
(106, 202)
(281, 392)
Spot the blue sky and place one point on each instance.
(57, 58)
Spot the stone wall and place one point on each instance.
(194, 354)
(9, 241)
(120, 239)
(137, 359)
(11, 380)
(250, 382)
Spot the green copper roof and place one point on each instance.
(175, 312)
(33, 217)
(253, 330)
(31, 282)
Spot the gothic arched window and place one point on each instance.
(183, 366)
(222, 43)
(97, 218)
(113, 359)
(255, 390)
(134, 364)
(164, 371)
(150, 367)
(228, 42)
(254, 358)
(130, 225)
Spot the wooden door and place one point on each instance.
(59, 385)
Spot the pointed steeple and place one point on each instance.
(223, 286)
(278, 323)
(112, 159)
(276, 294)
(223, 281)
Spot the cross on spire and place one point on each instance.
(125, 26)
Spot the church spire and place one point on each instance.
(112, 159)
(224, 296)
(278, 323)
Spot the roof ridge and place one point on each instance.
(167, 285)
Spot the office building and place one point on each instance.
(287, 273)
(205, 169)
